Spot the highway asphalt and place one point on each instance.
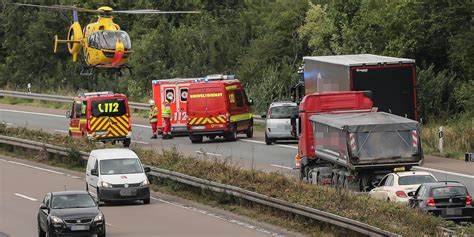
(244, 152)
(23, 184)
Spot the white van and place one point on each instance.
(117, 174)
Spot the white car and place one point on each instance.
(395, 187)
(117, 174)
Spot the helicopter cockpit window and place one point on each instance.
(123, 36)
(108, 39)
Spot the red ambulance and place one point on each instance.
(176, 92)
(218, 106)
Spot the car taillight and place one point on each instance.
(401, 194)
(468, 200)
(430, 202)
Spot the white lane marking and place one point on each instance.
(142, 126)
(281, 166)
(444, 172)
(208, 153)
(26, 197)
(139, 142)
(38, 168)
(9, 124)
(108, 224)
(240, 223)
(42, 169)
(260, 142)
(63, 131)
(35, 113)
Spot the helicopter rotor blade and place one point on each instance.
(60, 7)
(149, 11)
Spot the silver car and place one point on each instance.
(278, 121)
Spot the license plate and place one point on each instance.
(453, 212)
(79, 227)
(398, 169)
(199, 127)
(102, 132)
(128, 192)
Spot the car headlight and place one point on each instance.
(99, 217)
(145, 182)
(105, 184)
(56, 220)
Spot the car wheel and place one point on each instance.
(268, 141)
(232, 136)
(103, 233)
(41, 233)
(50, 234)
(249, 132)
(146, 201)
(99, 200)
(195, 138)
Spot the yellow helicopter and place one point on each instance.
(104, 44)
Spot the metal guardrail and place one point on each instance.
(321, 216)
(68, 99)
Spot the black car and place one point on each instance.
(70, 213)
(449, 200)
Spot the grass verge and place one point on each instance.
(389, 216)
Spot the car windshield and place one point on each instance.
(449, 191)
(415, 179)
(283, 112)
(120, 166)
(72, 201)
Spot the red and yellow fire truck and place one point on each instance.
(176, 92)
(101, 116)
(218, 106)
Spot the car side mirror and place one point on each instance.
(43, 207)
(264, 116)
(250, 101)
(411, 194)
(68, 114)
(94, 172)
(147, 169)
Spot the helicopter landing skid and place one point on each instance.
(87, 71)
(111, 70)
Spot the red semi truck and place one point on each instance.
(391, 80)
(345, 143)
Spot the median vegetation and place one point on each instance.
(393, 217)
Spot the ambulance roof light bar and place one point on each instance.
(97, 93)
(216, 77)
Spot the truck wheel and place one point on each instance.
(268, 140)
(127, 142)
(195, 138)
(249, 132)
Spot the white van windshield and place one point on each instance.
(120, 166)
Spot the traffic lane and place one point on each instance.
(26, 185)
(441, 175)
(254, 153)
(247, 150)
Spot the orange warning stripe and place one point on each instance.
(209, 120)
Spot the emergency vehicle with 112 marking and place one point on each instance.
(176, 92)
(101, 116)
